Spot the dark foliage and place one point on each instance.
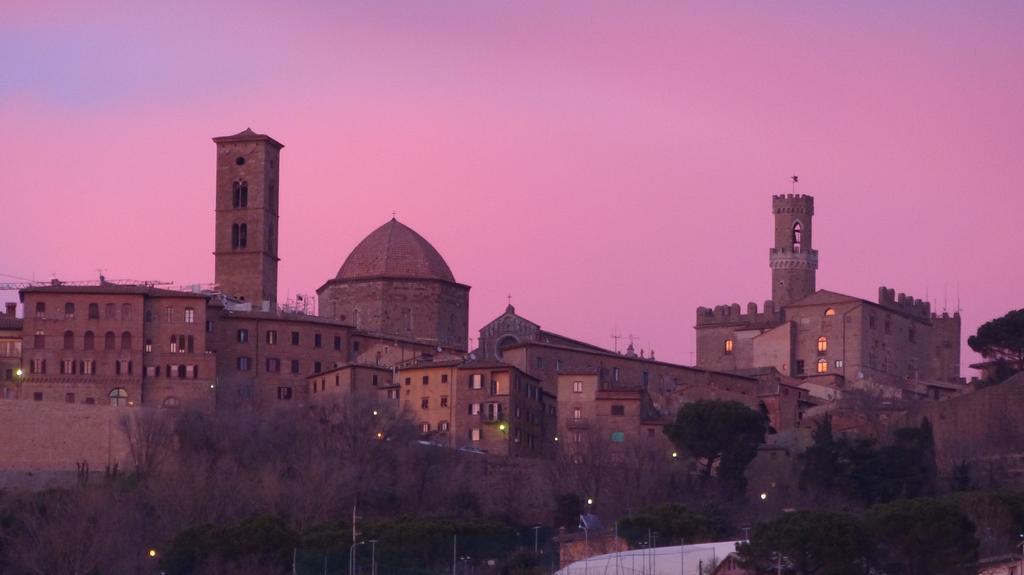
(719, 434)
(923, 537)
(809, 543)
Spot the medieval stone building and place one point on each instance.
(832, 341)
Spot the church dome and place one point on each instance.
(395, 250)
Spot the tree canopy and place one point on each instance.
(923, 537)
(809, 542)
(1002, 340)
(719, 433)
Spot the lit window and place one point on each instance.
(271, 337)
(618, 436)
(88, 367)
(474, 434)
(577, 387)
(477, 381)
(190, 315)
(577, 413)
(797, 236)
(830, 312)
(443, 426)
(728, 346)
(839, 364)
(243, 335)
(822, 344)
(822, 365)
(424, 427)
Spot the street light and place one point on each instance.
(352, 557)
(535, 528)
(18, 372)
(152, 553)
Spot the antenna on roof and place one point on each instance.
(616, 337)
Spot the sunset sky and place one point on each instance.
(608, 164)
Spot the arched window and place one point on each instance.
(90, 341)
(108, 341)
(797, 236)
(126, 341)
(69, 311)
(118, 396)
(243, 233)
(829, 312)
(69, 340)
(234, 236)
(243, 198)
(94, 311)
(40, 310)
(236, 194)
(822, 365)
(39, 341)
(822, 344)
(728, 346)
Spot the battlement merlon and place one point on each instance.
(905, 303)
(783, 258)
(732, 315)
(793, 204)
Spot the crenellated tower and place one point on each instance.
(246, 224)
(793, 260)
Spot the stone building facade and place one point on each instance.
(805, 333)
(10, 349)
(115, 344)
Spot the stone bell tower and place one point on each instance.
(245, 252)
(793, 259)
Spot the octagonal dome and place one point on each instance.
(395, 250)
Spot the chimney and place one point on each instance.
(11, 309)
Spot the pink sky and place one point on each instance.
(610, 165)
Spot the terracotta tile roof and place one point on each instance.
(395, 250)
(247, 135)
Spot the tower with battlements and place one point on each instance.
(793, 259)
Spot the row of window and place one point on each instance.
(79, 367)
(273, 365)
(110, 340)
(442, 427)
(820, 367)
(174, 371)
(426, 380)
(425, 402)
(109, 311)
(242, 336)
(118, 397)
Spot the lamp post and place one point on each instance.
(373, 556)
(535, 529)
(352, 557)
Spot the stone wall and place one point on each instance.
(50, 436)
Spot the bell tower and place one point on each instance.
(793, 259)
(245, 251)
